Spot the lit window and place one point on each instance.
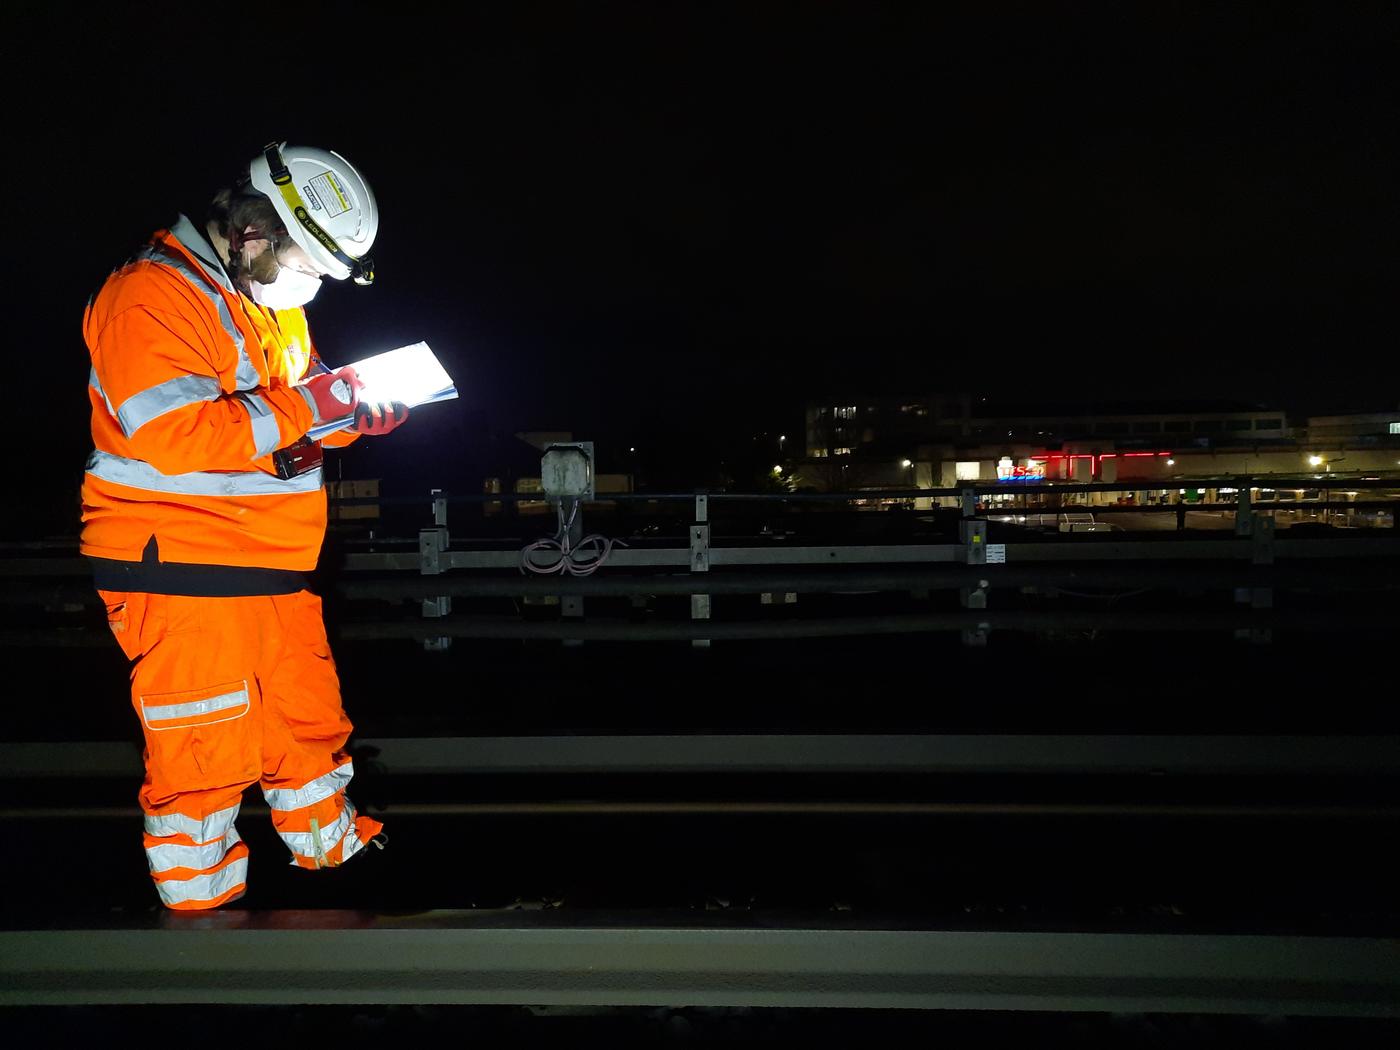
(1395, 428)
(968, 470)
(842, 451)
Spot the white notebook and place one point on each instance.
(411, 374)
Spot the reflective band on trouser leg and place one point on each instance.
(196, 863)
(306, 769)
(324, 832)
(186, 890)
(313, 791)
(197, 831)
(195, 691)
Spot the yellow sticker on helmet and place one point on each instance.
(331, 194)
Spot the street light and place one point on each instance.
(906, 464)
(1314, 461)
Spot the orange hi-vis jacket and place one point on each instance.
(193, 387)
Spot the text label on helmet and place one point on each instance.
(304, 217)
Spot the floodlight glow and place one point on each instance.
(411, 374)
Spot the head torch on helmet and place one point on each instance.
(333, 200)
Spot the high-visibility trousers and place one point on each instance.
(233, 692)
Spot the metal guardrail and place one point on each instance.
(1262, 482)
(1255, 544)
(705, 566)
(790, 754)
(760, 960)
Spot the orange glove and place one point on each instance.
(374, 418)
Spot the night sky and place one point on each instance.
(667, 224)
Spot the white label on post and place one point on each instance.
(996, 554)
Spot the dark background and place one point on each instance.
(665, 225)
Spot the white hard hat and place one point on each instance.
(326, 205)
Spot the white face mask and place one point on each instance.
(291, 289)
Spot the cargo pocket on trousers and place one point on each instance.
(199, 739)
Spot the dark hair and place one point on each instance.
(235, 209)
(238, 207)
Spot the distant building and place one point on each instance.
(941, 441)
(1374, 425)
(843, 429)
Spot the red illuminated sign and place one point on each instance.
(1095, 461)
(1007, 471)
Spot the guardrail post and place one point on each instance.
(1261, 532)
(1262, 549)
(432, 545)
(1244, 515)
(972, 534)
(700, 562)
(969, 503)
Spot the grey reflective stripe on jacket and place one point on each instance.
(96, 384)
(140, 409)
(266, 436)
(185, 232)
(137, 474)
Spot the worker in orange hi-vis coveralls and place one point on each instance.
(203, 507)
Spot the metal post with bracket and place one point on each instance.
(1261, 552)
(567, 477)
(433, 543)
(700, 561)
(972, 534)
